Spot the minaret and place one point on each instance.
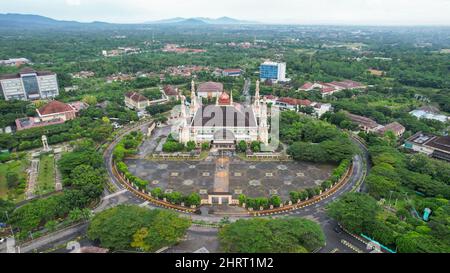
(257, 97)
(262, 126)
(231, 97)
(193, 107)
(183, 130)
(257, 103)
(263, 117)
(183, 108)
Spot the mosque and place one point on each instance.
(225, 123)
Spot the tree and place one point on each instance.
(205, 146)
(90, 99)
(51, 225)
(354, 211)
(7, 141)
(70, 161)
(255, 146)
(12, 179)
(128, 226)
(242, 146)
(6, 208)
(283, 235)
(190, 146)
(303, 151)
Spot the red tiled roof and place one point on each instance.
(292, 101)
(169, 90)
(134, 96)
(55, 107)
(394, 127)
(210, 87)
(307, 86)
(270, 97)
(347, 84)
(365, 121)
(328, 89)
(231, 70)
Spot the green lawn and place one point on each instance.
(19, 167)
(46, 176)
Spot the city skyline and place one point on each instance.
(345, 12)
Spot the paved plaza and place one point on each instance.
(254, 179)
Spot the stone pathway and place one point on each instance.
(222, 175)
(32, 177)
(58, 182)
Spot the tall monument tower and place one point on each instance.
(45, 143)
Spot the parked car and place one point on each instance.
(2, 240)
(337, 229)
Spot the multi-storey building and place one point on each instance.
(431, 145)
(29, 84)
(272, 71)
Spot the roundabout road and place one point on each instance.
(355, 182)
(335, 241)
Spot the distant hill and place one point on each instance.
(32, 21)
(202, 20)
(190, 22)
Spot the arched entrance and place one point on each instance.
(224, 140)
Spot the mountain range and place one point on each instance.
(202, 21)
(24, 20)
(13, 20)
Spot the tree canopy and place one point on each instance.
(128, 227)
(285, 235)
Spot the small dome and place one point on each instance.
(224, 98)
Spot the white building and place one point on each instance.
(273, 71)
(427, 113)
(29, 84)
(321, 108)
(14, 62)
(225, 123)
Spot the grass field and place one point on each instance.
(16, 166)
(46, 175)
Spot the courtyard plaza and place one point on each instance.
(229, 174)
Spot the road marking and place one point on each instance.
(144, 204)
(115, 194)
(334, 250)
(352, 247)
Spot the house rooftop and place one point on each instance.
(394, 127)
(54, 107)
(134, 96)
(169, 90)
(441, 143)
(365, 121)
(215, 87)
(292, 101)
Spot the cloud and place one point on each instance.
(73, 2)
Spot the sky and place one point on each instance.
(346, 12)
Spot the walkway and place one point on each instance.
(222, 175)
(32, 179)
